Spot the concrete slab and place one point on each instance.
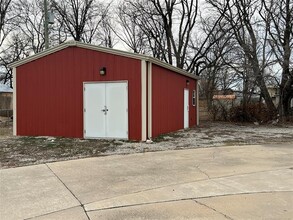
(275, 205)
(102, 178)
(32, 191)
(165, 194)
(76, 213)
(89, 178)
(224, 161)
(266, 181)
(171, 210)
(115, 186)
(279, 180)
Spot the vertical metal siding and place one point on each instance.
(50, 91)
(167, 101)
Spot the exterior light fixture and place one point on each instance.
(187, 82)
(103, 71)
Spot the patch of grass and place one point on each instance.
(4, 132)
(130, 141)
(116, 143)
(183, 147)
(31, 140)
(159, 138)
(233, 142)
(26, 150)
(206, 138)
(5, 128)
(168, 137)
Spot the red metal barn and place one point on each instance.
(84, 91)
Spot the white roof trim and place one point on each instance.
(101, 49)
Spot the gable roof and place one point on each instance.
(101, 49)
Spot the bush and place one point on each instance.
(252, 113)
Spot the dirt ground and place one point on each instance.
(22, 151)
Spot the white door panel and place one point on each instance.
(94, 103)
(117, 116)
(186, 108)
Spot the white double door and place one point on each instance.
(106, 110)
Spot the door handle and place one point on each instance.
(105, 110)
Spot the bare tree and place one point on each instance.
(5, 9)
(241, 15)
(81, 19)
(16, 50)
(279, 17)
(26, 34)
(129, 31)
(214, 61)
(217, 57)
(168, 26)
(106, 35)
(146, 26)
(29, 24)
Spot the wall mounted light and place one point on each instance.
(187, 82)
(103, 71)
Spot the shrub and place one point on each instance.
(252, 113)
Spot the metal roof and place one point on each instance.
(101, 49)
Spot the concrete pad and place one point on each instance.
(32, 191)
(224, 161)
(280, 180)
(76, 213)
(102, 178)
(89, 178)
(164, 194)
(171, 210)
(275, 205)
(138, 183)
(276, 180)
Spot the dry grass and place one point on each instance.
(21, 151)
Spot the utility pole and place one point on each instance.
(46, 24)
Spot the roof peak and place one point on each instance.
(73, 43)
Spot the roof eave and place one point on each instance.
(101, 49)
(173, 68)
(42, 54)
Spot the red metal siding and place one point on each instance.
(168, 99)
(50, 91)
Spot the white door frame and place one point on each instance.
(83, 107)
(186, 108)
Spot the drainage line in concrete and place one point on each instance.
(69, 191)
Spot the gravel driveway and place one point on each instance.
(22, 151)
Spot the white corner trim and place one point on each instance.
(149, 100)
(14, 101)
(197, 103)
(143, 101)
(83, 110)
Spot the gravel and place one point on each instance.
(22, 151)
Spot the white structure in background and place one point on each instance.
(274, 92)
(6, 100)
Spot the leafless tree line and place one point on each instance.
(245, 45)
(262, 40)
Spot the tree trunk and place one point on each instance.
(286, 91)
(263, 89)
